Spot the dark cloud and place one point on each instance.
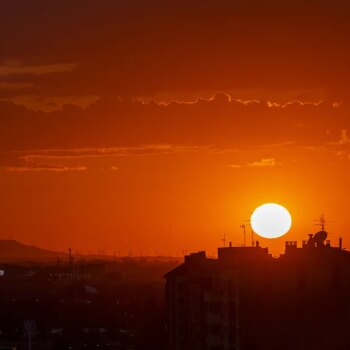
(139, 48)
(95, 64)
(219, 123)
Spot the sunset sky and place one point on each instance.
(158, 126)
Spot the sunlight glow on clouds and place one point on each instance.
(265, 162)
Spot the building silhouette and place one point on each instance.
(248, 300)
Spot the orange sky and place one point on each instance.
(159, 127)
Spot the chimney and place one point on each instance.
(257, 244)
(340, 243)
(230, 244)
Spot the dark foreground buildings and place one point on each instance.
(88, 305)
(248, 300)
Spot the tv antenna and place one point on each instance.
(244, 234)
(252, 235)
(322, 222)
(251, 230)
(224, 239)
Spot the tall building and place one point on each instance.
(248, 300)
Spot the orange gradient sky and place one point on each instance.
(159, 126)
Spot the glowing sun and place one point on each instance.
(271, 220)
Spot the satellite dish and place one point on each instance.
(318, 238)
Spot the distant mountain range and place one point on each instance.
(11, 250)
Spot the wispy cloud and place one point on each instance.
(226, 97)
(294, 102)
(41, 168)
(16, 68)
(258, 148)
(337, 104)
(80, 153)
(266, 162)
(14, 86)
(222, 96)
(263, 163)
(235, 166)
(344, 138)
(66, 159)
(51, 103)
(343, 141)
(340, 147)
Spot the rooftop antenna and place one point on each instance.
(224, 240)
(252, 235)
(244, 235)
(321, 222)
(251, 230)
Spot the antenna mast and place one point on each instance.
(251, 231)
(244, 235)
(252, 235)
(322, 222)
(224, 240)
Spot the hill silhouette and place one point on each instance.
(12, 250)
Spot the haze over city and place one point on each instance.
(159, 126)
